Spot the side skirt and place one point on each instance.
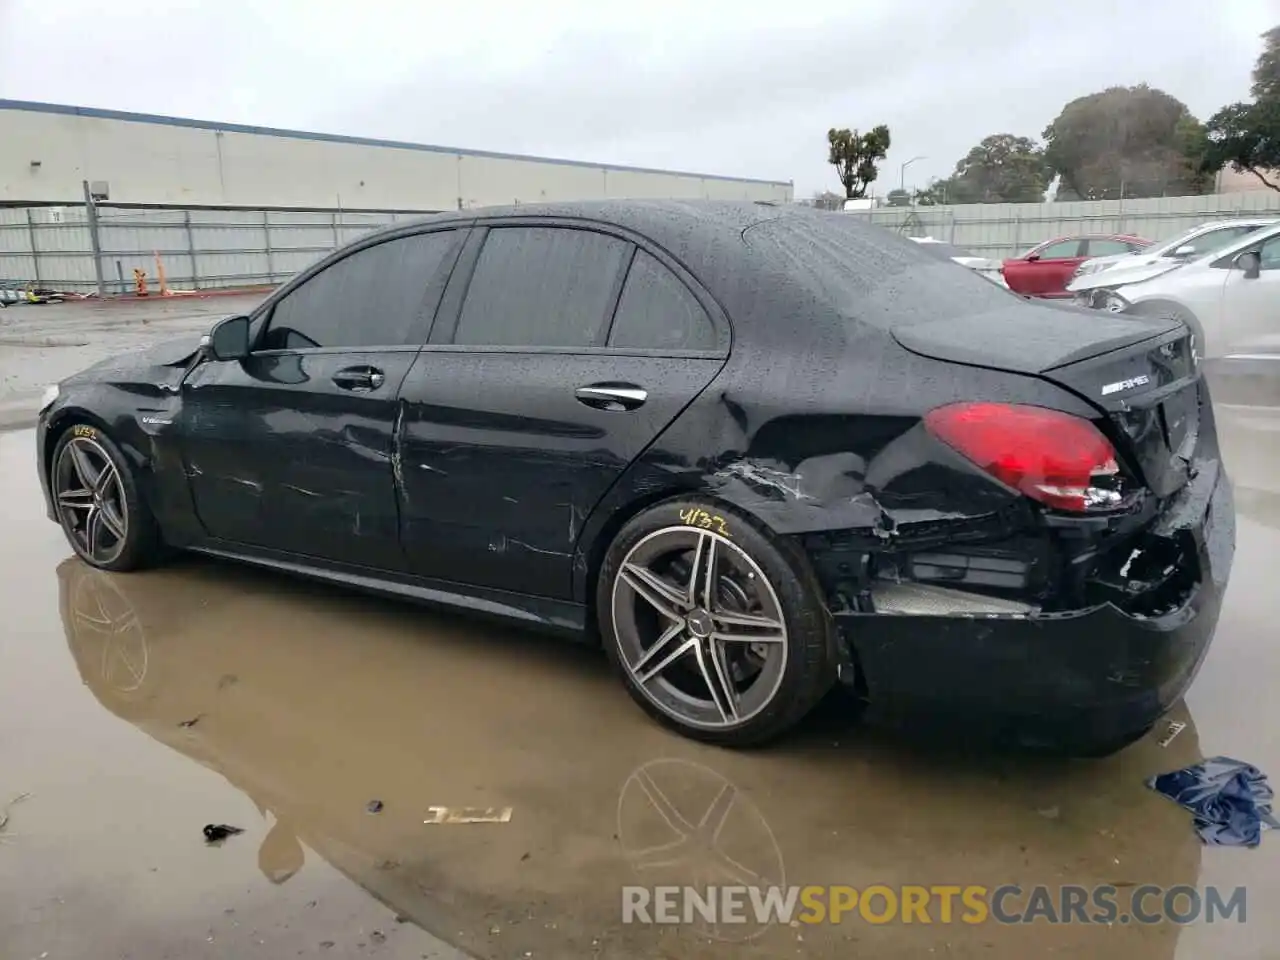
(557, 616)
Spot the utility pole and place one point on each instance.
(91, 211)
(902, 172)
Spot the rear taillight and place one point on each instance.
(1060, 460)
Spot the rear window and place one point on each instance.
(871, 274)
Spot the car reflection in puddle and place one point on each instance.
(315, 703)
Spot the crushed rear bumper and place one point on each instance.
(1086, 681)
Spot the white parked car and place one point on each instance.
(984, 265)
(1230, 298)
(1187, 245)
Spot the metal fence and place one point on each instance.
(1008, 229)
(197, 249)
(204, 249)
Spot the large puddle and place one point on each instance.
(368, 747)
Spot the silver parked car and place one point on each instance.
(1187, 245)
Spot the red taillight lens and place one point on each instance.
(1055, 458)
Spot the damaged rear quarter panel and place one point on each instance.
(805, 446)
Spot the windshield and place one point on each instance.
(1160, 249)
(1206, 242)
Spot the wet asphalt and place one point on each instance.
(136, 709)
(42, 344)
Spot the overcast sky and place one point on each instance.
(746, 88)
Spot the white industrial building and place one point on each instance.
(47, 152)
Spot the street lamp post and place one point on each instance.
(902, 172)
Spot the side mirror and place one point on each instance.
(1033, 258)
(1251, 263)
(1185, 250)
(229, 339)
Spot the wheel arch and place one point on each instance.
(1153, 304)
(62, 421)
(65, 418)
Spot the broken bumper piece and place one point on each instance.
(1085, 681)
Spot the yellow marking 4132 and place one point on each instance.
(697, 517)
(84, 430)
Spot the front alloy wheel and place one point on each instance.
(97, 503)
(91, 500)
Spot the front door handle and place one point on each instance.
(359, 378)
(612, 396)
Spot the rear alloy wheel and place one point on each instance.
(715, 631)
(97, 501)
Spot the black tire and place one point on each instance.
(141, 544)
(802, 669)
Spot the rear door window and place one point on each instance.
(1062, 250)
(657, 311)
(1107, 248)
(541, 287)
(376, 297)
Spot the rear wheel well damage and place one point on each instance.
(843, 658)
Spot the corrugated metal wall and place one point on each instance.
(207, 248)
(1008, 229)
(199, 249)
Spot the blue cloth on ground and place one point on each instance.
(1230, 799)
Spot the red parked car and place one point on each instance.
(1045, 270)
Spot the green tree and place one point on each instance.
(1126, 142)
(1003, 168)
(855, 157)
(1247, 135)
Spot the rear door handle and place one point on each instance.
(612, 396)
(359, 378)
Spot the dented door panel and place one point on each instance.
(280, 456)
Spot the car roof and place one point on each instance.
(652, 218)
(1093, 236)
(759, 262)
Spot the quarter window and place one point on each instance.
(541, 287)
(373, 298)
(657, 311)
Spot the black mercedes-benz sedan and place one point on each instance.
(754, 450)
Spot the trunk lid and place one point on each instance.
(1140, 373)
(1151, 393)
(1028, 337)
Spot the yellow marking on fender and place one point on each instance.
(697, 517)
